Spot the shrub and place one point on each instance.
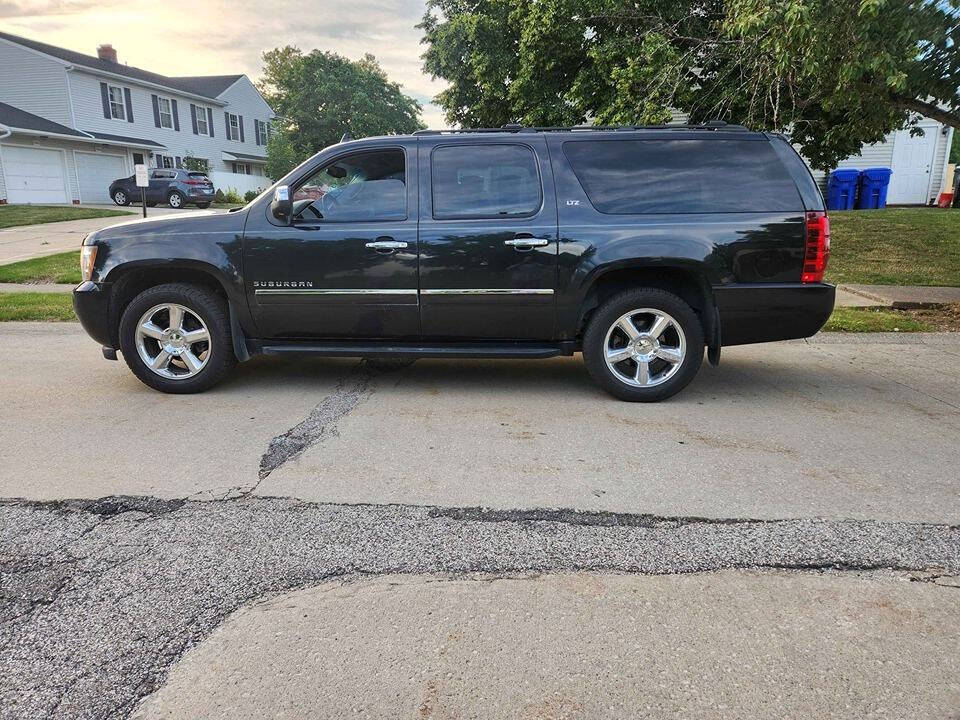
(230, 196)
(250, 195)
(219, 197)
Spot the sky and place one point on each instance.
(225, 37)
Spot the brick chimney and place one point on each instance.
(106, 52)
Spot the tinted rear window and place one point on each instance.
(682, 176)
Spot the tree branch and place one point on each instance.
(929, 109)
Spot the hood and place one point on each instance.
(173, 226)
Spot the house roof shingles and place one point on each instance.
(209, 86)
(13, 117)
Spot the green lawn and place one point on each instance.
(14, 215)
(895, 246)
(874, 320)
(59, 268)
(36, 306)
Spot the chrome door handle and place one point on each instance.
(387, 245)
(527, 242)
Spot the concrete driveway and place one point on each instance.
(474, 539)
(23, 243)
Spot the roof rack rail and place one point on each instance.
(516, 128)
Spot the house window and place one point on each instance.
(200, 115)
(241, 168)
(234, 127)
(166, 115)
(165, 161)
(263, 132)
(117, 109)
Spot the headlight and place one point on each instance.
(88, 256)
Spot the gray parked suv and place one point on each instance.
(176, 187)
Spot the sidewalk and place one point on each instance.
(36, 287)
(29, 241)
(901, 297)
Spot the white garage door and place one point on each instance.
(96, 171)
(33, 175)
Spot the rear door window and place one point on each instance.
(485, 181)
(622, 177)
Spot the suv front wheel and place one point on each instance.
(176, 338)
(643, 345)
(175, 200)
(120, 197)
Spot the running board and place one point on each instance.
(402, 349)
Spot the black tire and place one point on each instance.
(176, 200)
(120, 197)
(203, 206)
(594, 343)
(205, 304)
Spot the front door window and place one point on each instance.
(364, 187)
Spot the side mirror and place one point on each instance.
(282, 205)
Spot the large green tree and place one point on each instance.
(834, 74)
(318, 96)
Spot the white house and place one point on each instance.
(919, 163)
(71, 123)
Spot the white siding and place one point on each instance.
(881, 155)
(241, 183)
(177, 143)
(33, 82)
(3, 184)
(875, 155)
(244, 100)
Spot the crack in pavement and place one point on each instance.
(99, 598)
(323, 419)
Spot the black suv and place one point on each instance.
(639, 246)
(173, 186)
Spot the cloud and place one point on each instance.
(229, 36)
(45, 8)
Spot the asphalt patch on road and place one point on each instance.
(99, 598)
(323, 419)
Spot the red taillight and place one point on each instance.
(196, 182)
(817, 250)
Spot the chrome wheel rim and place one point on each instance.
(120, 198)
(175, 201)
(173, 341)
(644, 347)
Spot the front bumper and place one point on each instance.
(763, 312)
(91, 302)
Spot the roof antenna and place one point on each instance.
(346, 136)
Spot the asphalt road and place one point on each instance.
(322, 538)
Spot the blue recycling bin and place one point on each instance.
(842, 189)
(873, 188)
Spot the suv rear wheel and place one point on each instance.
(643, 345)
(176, 338)
(175, 200)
